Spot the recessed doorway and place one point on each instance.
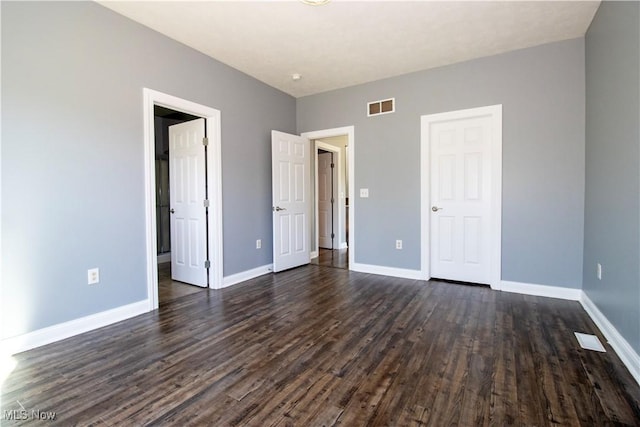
(164, 121)
(332, 223)
(212, 223)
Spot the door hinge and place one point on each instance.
(332, 200)
(206, 203)
(333, 165)
(207, 264)
(205, 141)
(333, 235)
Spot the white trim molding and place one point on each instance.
(572, 294)
(387, 271)
(246, 275)
(71, 328)
(214, 185)
(495, 256)
(623, 349)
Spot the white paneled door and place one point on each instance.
(188, 193)
(290, 157)
(326, 233)
(461, 198)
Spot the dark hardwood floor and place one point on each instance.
(336, 258)
(320, 346)
(168, 289)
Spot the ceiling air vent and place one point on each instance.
(385, 106)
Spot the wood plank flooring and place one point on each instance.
(168, 289)
(336, 258)
(319, 346)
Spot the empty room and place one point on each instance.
(320, 212)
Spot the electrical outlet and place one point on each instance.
(364, 193)
(398, 244)
(93, 276)
(258, 243)
(599, 271)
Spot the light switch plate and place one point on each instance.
(364, 192)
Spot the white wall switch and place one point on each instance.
(364, 192)
(398, 244)
(93, 276)
(258, 243)
(599, 271)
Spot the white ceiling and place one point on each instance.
(345, 43)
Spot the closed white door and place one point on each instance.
(326, 233)
(290, 159)
(460, 152)
(188, 193)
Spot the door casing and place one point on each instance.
(349, 131)
(495, 257)
(214, 184)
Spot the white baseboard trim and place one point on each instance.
(166, 257)
(246, 275)
(542, 290)
(343, 245)
(68, 329)
(313, 254)
(387, 271)
(623, 349)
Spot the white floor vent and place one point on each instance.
(590, 342)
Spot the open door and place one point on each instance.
(187, 172)
(290, 159)
(326, 201)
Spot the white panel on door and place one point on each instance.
(473, 176)
(195, 257)
(178, 229)
(285, 181)
(472, 240)
(473, 135)
(285, 147)
(300, 182)
(193, 174)
(285, 237)
(447, 168)
(301, 225)
(446, 138)
(445, 238)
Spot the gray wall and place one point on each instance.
(542, 93)
(72, 156)
(612, 206)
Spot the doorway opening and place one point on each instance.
(331, 203)
(164, 119)
(335, 183)
(187, 113)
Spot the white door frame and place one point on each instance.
(495, 257)
(340, 201)
(349, 131)
(214, 183)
